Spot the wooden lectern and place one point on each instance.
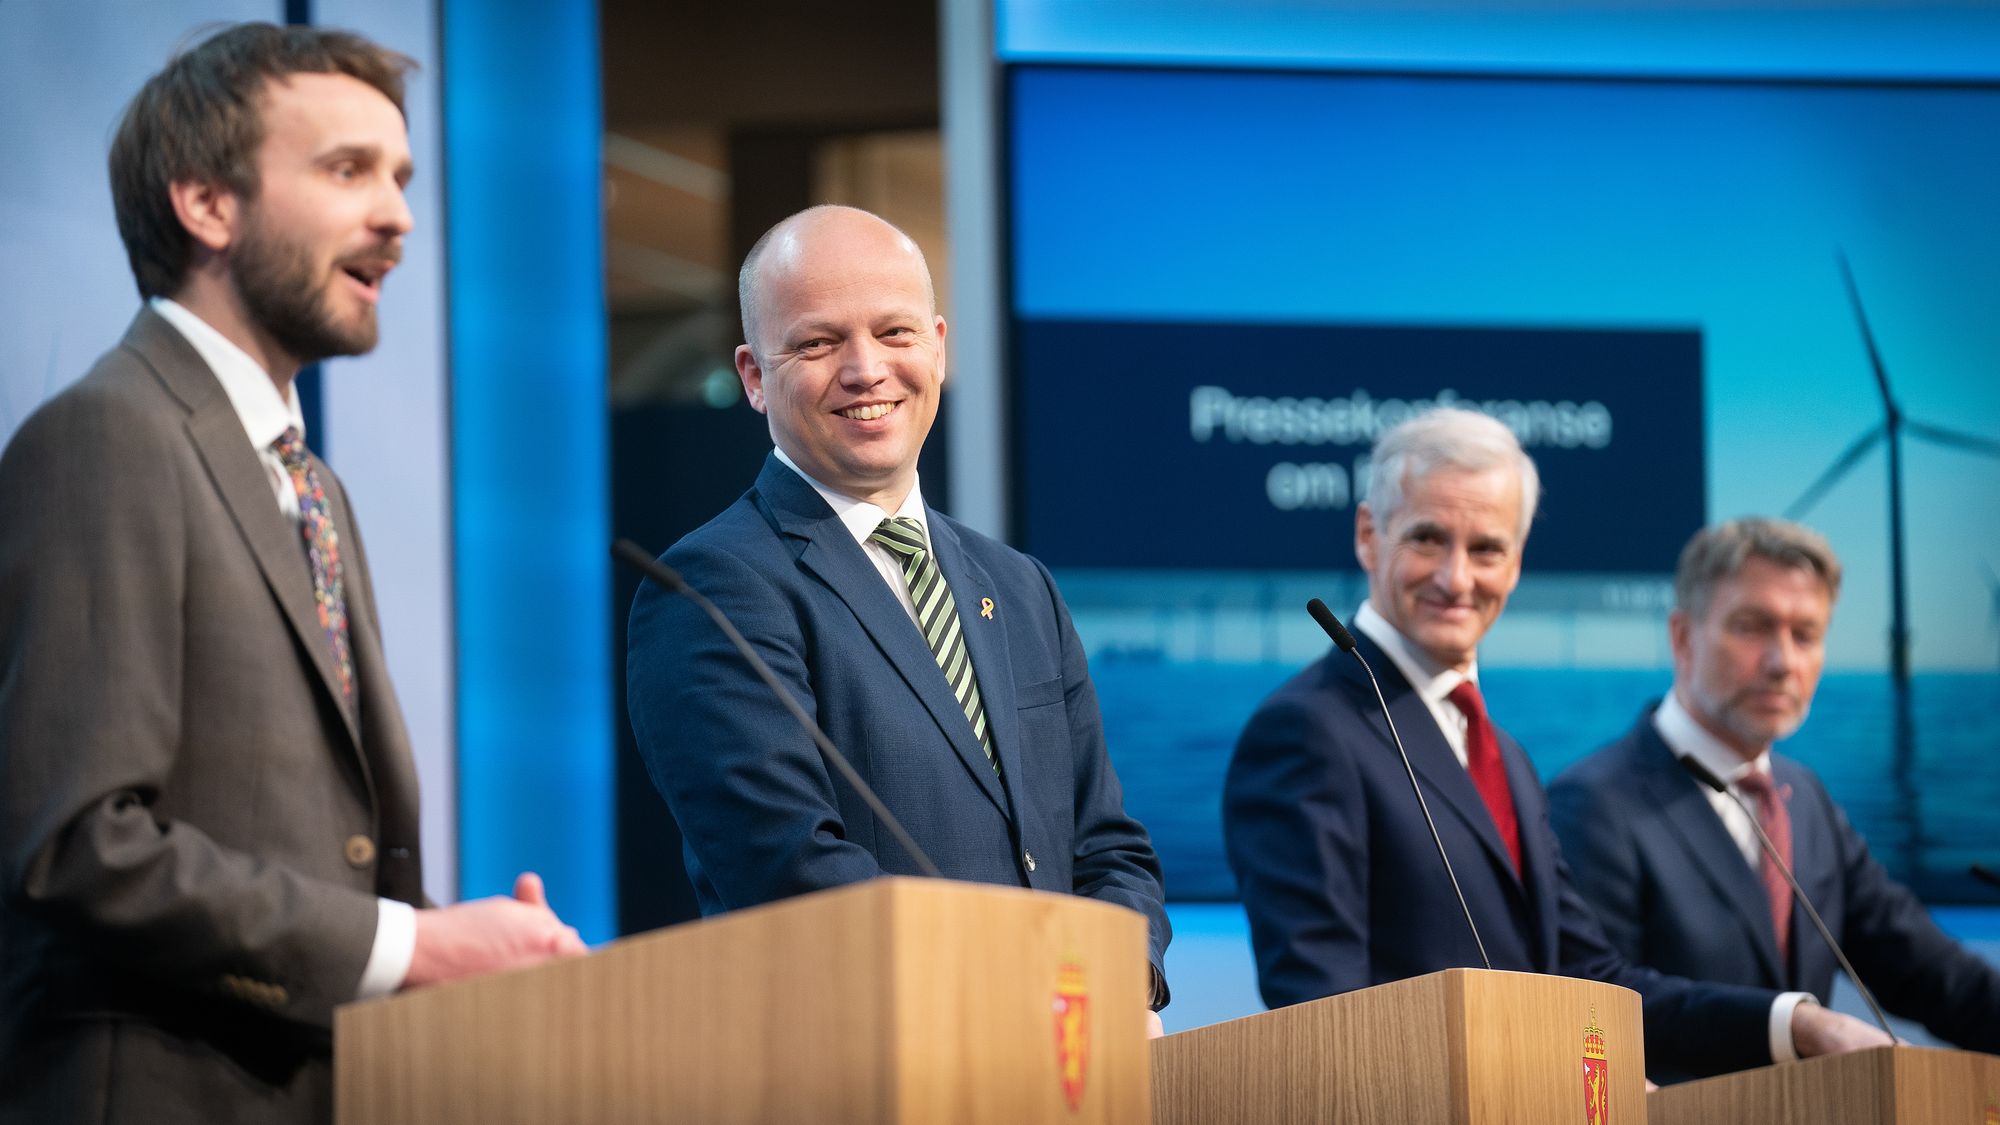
(896, 1000)
(1885, 1086)
(1460, 1047)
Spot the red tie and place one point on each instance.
(1777, 822)
(1489, 776)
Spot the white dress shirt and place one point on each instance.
(1433, 683)
(861, 518)
(265, 412)
(1689, 739)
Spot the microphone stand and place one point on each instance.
(1344, 640)
(1701, 773)
(635, 556)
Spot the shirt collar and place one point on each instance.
(860, 517)
(1686, 737)
(264, 411)
(1431, 680)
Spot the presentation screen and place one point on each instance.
(1224, 284)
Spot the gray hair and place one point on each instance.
(747, 284)
(1719, 552)
(1447, 437)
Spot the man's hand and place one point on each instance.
(1821, 1031)
(490, 934)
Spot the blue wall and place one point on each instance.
(529, 454)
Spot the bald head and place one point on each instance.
(822, 239)
(844, 351)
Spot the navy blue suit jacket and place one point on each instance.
(1674, 892)
(764, 817)
(1344, 888)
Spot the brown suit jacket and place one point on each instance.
(194, 824)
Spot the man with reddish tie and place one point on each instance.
(1338, 872)
(1674, 869)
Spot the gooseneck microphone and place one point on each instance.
(1984, 874)
(1702, 774)
(1344, 640)
(669, 579)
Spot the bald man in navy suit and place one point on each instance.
(942, 661)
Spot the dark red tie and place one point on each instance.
(1489, 774)
(1777, 822)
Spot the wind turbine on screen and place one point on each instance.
(1890, 432)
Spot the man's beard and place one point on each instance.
(286, 299)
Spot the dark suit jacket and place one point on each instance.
(765, 818)
(194, 825)
(1344, 888)
(1674, 892)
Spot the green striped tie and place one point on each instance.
(937, 617)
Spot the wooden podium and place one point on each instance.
(1885, 1086)
(1460, 1047)
(896, 1000)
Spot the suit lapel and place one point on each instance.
(1713, 852)
(1431, 757)
(239, 479)
(825, 550)
(1538, 857)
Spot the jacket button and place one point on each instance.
(360, 851)
(1028, 858)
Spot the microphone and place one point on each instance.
(1984, 874)
(1702, 774)
(667, 577)
(1344, 641)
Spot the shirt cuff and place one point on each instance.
(1782, 1050)
(395, 946)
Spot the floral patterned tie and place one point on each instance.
(322, 541)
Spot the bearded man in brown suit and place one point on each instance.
(208, 807)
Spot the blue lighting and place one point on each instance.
(529, 440)
(1923, 39)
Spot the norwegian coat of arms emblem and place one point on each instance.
(1596, 1075)
(1072, 1013)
